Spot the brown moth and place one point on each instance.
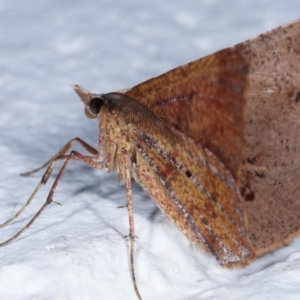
(215, 143)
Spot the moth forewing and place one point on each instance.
(272, 112)
(190, 194)
(203, 100)
(187, 182)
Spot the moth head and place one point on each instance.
(92, 102)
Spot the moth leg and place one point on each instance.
(64, 150)
(129, 206)
(45, 177)
(89, 160)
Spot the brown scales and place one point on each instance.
(215, 143)
(271, 172)
(272, 137)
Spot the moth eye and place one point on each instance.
(93, 108)
(95, 105)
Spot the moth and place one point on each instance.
(215, 143)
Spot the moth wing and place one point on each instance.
(203, 104)
(271, 175)
(203, 100)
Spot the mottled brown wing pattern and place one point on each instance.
(271, 176)
(200, 197)
(203, 101)
(271, 161)
(201, 194)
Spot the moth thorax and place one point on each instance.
(115, 148)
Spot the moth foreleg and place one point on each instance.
(89, 160)
(64, 150)
(45, 177)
